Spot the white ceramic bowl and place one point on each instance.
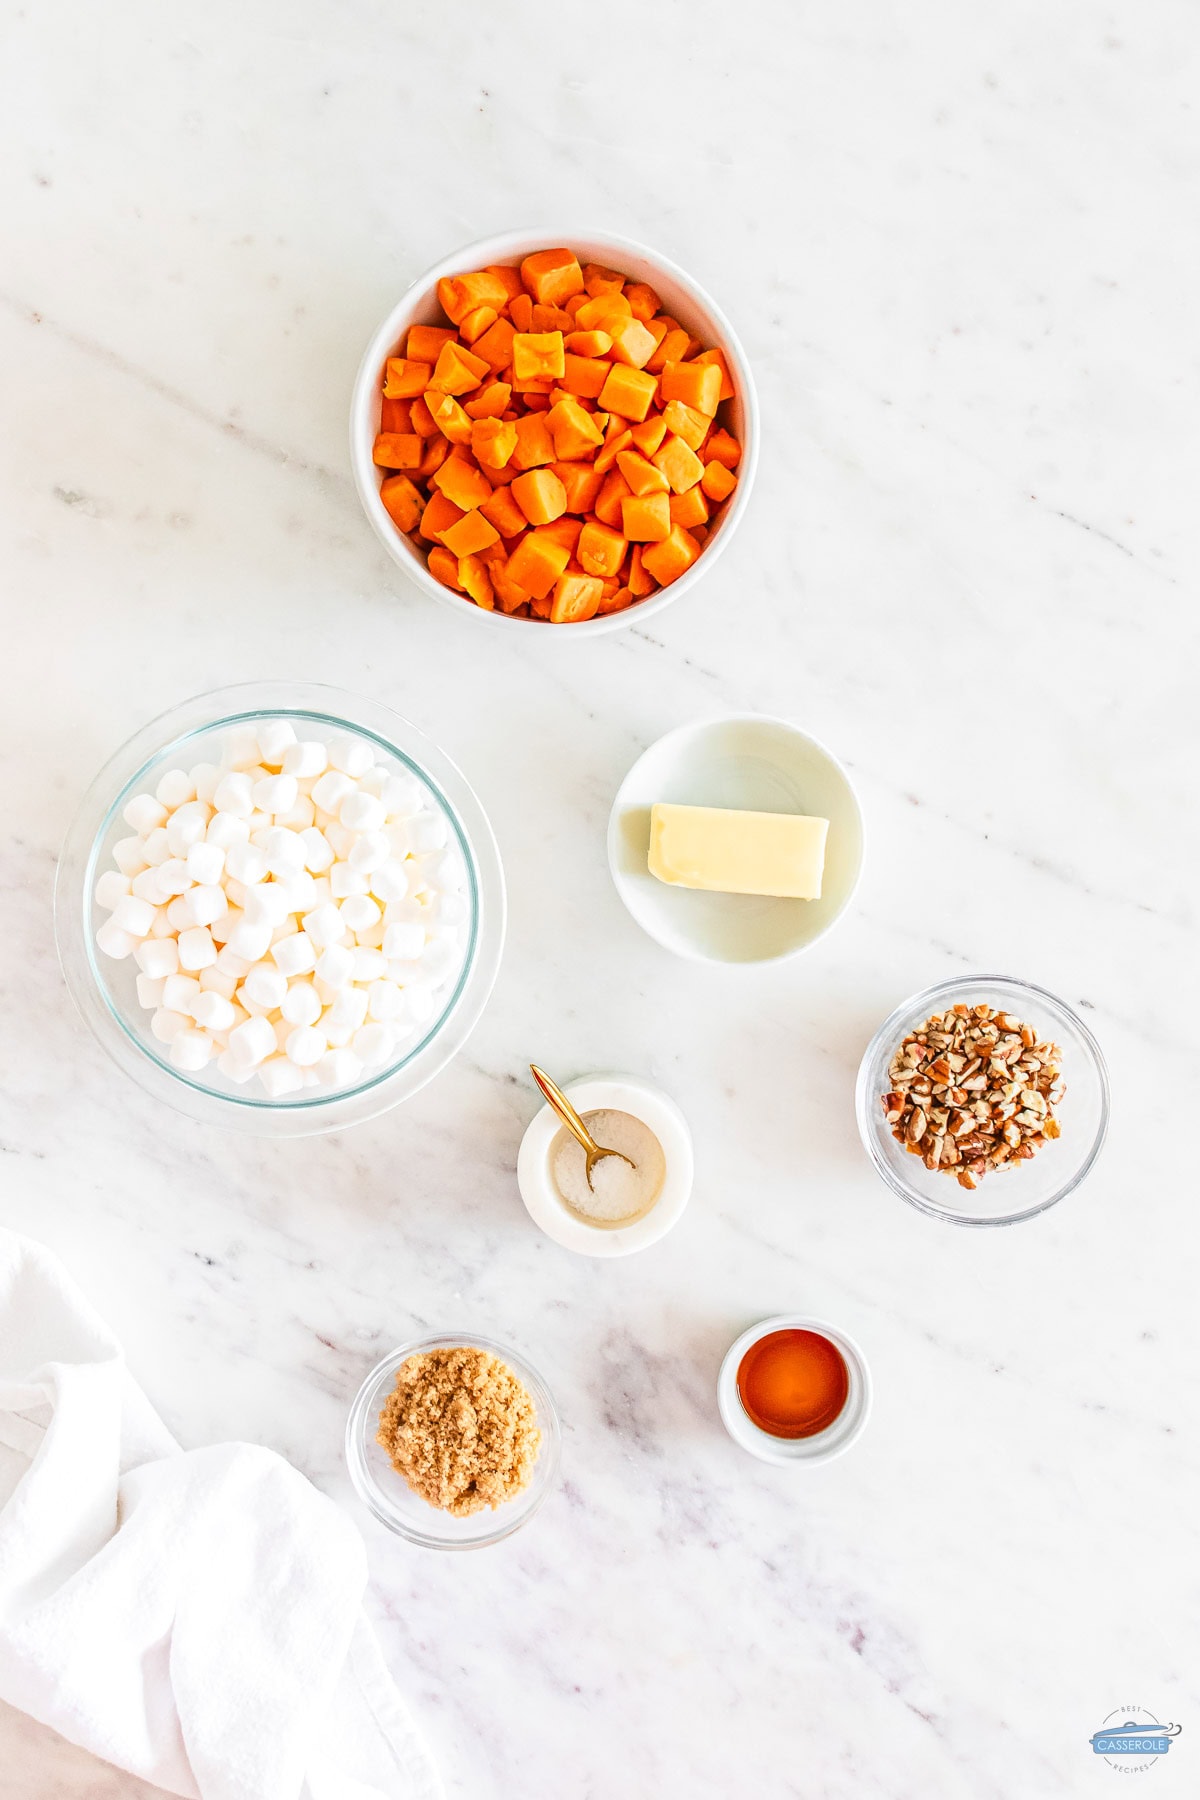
(546, 1206)
(757, 764)
(682, 297)
(823, 1446)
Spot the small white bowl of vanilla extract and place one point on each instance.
(794, 1390)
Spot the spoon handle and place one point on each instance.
(562, 1106)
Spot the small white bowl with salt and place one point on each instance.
(626, 1209)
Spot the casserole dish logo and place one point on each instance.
(1131, 1739)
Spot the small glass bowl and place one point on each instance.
(105, 991)
(1014, 1191)
(387, 1494)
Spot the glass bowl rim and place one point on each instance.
(865, 1096)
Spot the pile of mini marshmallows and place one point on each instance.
(294, 912)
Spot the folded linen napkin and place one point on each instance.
(191, 1616)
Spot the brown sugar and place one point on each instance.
(461, 1429)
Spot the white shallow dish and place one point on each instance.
(748, 762)
(546, 1206)
(682, 297)
(823, 1446)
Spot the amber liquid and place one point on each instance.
(793, 1383)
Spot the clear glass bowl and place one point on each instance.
(389, 1496)
(104, 990)
(1015, 1190)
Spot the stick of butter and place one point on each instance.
(730, 852)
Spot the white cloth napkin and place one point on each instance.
(191, 1616)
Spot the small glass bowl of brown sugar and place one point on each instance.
(1001, 1181)
(453, 1441)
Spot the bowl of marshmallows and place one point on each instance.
(280, 908)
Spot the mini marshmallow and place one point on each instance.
(157, 847)
(175, 789)
(369, 965)
(419, 1004)
(306, 1046)
(298, 817)
(427, 831)
(335, 965)
(179, 915)
(374, 1043)
(166, 1025)
(360, 912)
(283, 850)
(362, 812)
(372, 936)
(351, 755)
(205, 904)
(403, 942)
(157, 957)
(266, 904)
(180, 992)
(344, 881)
(280, 1076)
(134, 916)
(143, 813)
(112, 888)
(246, 863)
(127, 854)
(341, 840)
(325, 925)
(276, 793)
(114, 942)
(337, 1036)
(306, 759)
(332, 788)
(275, 739)
(205, 862)
(204, 778)
(251, 1042)
(147, 886)
(240, 751)
(265, 985)
(173, 876)
(300, 1004)
(191, 1050)
(318, 851)
(196, 948)
(384, 1000)
(349, 1009)
(321, 891)
(402, 795)
(235, 795)
(150, 991)
(294, 955)
(372, 850)
(225, 831)
(282, 1031)
(162, 926)
(339, 1068)
(215, 981)
(390, 883)
(233, 1070)
(301, 892)
(230, 963)
(187, 826)
(214, 1012)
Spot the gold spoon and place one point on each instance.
(592, 1151)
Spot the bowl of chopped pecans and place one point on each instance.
(983, 1100)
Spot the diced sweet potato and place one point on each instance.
(395, 415)
(537, 562)
(460, 294)
(574, 431)
(462, 481)
(520, 311)
(690, 508)
(398, 450)
(457, 370)
(582, 482)
(552, 276)
(681, 466)
(588, 343)
(476, 323)
(489, 402)
(723, 448)
(540, 495)
(508, 592)
(632, 344)
(667, 560)
(686, 422)
(535, 446)
(448, 416)
(576, 597)
(504, 513)
(492, 442)
(618, 438)
(646, 519)
(474, 579)
(424, 342)
(437, 449)
(423, 421)
(508, 277)
(599, 280)
(600, 549)
(403, 501)
(629, 392)
(672, 347)
(443, 566)
(641, 582)
(643, 300)
(649, 434)
(402, 379)
(565, 530)
(551, 318)
(438, 516)
(584, 376)
(614, 598)
(537, 356)
(470, 534)
(696, 384)
(642, 476)
(718, 356)
(495, 345)
(717, 481)
(611, 498)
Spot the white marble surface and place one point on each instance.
(960, 248)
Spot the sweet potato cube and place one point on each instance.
(646, 518)
(540, 495)
(460, 480)
(503, 512)
(495, 344)
(619, 438)
(535, 446)
(537, 562)
(520, 311)
(600, 549)
(448, 416)
(696, 384)
(460, 294)
(489, 402)
(614, 598)
(588, 343)
(565, 530)
(492, 442)
(439, 514)
(395, 415)
(540, 606)
(717, 481)
(582, 482)
(537, 356)
(574, 431)
(398, 450)
(551, 318)
(403, 380)
(403, 501)
(632, 344)
(508, 592)
(692, 426)
(437, 449)
(643, 299)
(600, 313)
(611, 498)
(457, 371)
(584, 376)
(629, 392)
(576, 597)
(424, 342)
(667, 560)
(690, 508)
(642, 476)
(599, 280)
(470, 534)
(474, 579)
(476, 323)
(552, 276)
(508, 277)
(641, 582)
(718, 356)
(723, 448)
(672, 348)
(649, 434)
(443, 566)
(681, 466)
(422, 420)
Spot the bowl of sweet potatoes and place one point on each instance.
(554, 429)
